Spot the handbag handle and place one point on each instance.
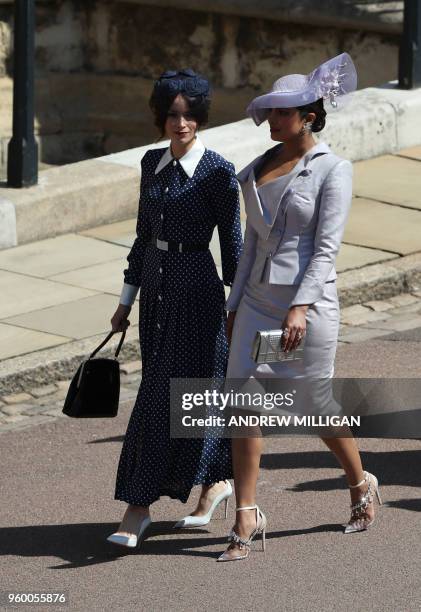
(104, 342)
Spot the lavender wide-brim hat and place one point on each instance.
(333, 81)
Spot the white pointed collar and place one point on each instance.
(188, 162)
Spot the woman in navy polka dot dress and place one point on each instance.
(186, 190)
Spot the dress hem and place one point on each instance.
(171, 494)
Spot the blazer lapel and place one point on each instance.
(262, 214)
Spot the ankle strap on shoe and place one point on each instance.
(360, 483)
(361, 506)
(247, 508)
(233, 537)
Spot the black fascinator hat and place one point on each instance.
(192, 86)
(173, 82)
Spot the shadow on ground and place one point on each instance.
(396, 468)
(84, 544)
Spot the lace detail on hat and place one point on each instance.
(329, 82)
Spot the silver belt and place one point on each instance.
(179, 247)
(164, 246)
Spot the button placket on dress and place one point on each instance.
(161, 235)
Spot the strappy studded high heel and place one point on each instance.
(359, 520)
(246, 544)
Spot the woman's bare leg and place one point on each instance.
(246, 453)
(131, 519)
(207, 495)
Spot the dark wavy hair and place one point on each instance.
(317, 108)
(194, 88)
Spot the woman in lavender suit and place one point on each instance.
(297, 198)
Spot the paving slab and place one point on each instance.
(131, 366)
(389, 178)
(16, 398)
(381, 226)
(404, 299)
(14, 418)
(351, 256)
(355, 310)
(361, 335)
(15, 409)
(371, 315)
(378, 305)
(409, 309)
(397, 324)
(105, 277)
(358, 314)
(16, 341)
(409, 337)
(122, 232)
(35, 410)
(21, 293)
(411, 152)
(77, 319)
(54, 255)
(43, 391)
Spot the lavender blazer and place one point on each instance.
(314, 204)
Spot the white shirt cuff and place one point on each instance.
(128, 294)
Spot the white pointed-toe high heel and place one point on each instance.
(133, 539)
(245, 545)
(201, 521)
(358, 520)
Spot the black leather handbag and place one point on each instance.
(95, 388)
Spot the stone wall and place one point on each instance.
(96, 61)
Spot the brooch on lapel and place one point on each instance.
(305, 172)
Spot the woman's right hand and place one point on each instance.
(119, 321)
(230, 325)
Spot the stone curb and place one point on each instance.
(61, 362)
(375, 282)
(380, 281)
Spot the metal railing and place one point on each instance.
(410, 46)
(22, 153)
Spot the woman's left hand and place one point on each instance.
(295, 323)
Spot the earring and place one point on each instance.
(306, 129)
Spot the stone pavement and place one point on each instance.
(59, 291)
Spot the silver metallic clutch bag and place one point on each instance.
(267, 347)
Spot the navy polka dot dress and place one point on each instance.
(182, 320)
